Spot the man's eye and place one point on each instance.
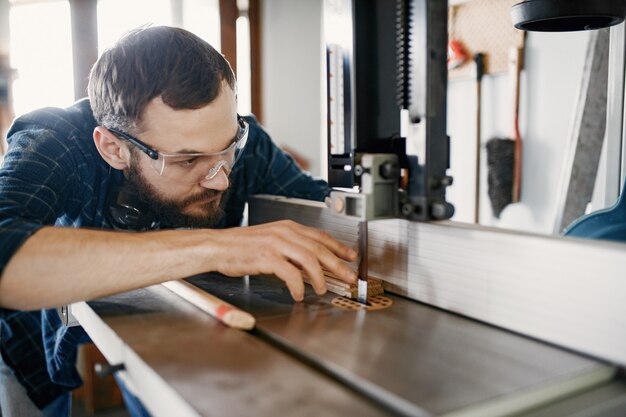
(187, 162)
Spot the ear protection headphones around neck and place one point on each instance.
(125, 210)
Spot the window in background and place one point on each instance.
(41, 52)
(116, 17)
(41, 42)
(202, 17)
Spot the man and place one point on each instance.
(159, 145)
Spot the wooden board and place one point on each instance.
(374, 286)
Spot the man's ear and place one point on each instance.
(112, 150)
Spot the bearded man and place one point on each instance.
(159, 149)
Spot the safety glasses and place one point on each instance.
(192, 168)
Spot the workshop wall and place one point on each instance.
(550, 85)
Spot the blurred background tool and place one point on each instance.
(590, 137)
(504, 155)
(457, 53)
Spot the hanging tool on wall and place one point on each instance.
(504, 155)
(479, 62)
(457, 53)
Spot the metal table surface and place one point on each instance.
(413, 358)
(313, 358)
(182, 362)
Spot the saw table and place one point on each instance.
(312, 358)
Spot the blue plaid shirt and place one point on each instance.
(53, 175)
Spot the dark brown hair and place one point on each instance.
(184, 70)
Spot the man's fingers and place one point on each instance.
(325, 248)
(309, 260)
(328, 261)
(336, 247)
(292, 278)
(288, 249)
(335, 266)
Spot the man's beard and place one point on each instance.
(170, 213)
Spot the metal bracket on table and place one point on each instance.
(66, 316)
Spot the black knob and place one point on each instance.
(104, 369)
(446, 181)
(389, 170)
(442, 211)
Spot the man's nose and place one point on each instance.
(218, 182)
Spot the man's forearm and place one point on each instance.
(62, 265)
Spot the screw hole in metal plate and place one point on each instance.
(376, 302)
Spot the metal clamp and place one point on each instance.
(378, 197)
(66, 316)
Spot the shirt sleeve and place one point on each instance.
(278, 173)
(34, 179)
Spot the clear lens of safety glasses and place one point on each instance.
(192, 167)
(216, 169)
(196, 167)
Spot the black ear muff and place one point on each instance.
(126, 211)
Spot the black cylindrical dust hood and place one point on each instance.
(567, 15)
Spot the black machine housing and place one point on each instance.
(387, 61)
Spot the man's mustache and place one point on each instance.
(202, 196)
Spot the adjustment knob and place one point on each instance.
(389, 170)
(103, 370)
(442, 211)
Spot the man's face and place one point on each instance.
(203, 209)
(209, 129)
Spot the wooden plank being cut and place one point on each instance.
(334, 285)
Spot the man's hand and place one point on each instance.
(285, 249)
